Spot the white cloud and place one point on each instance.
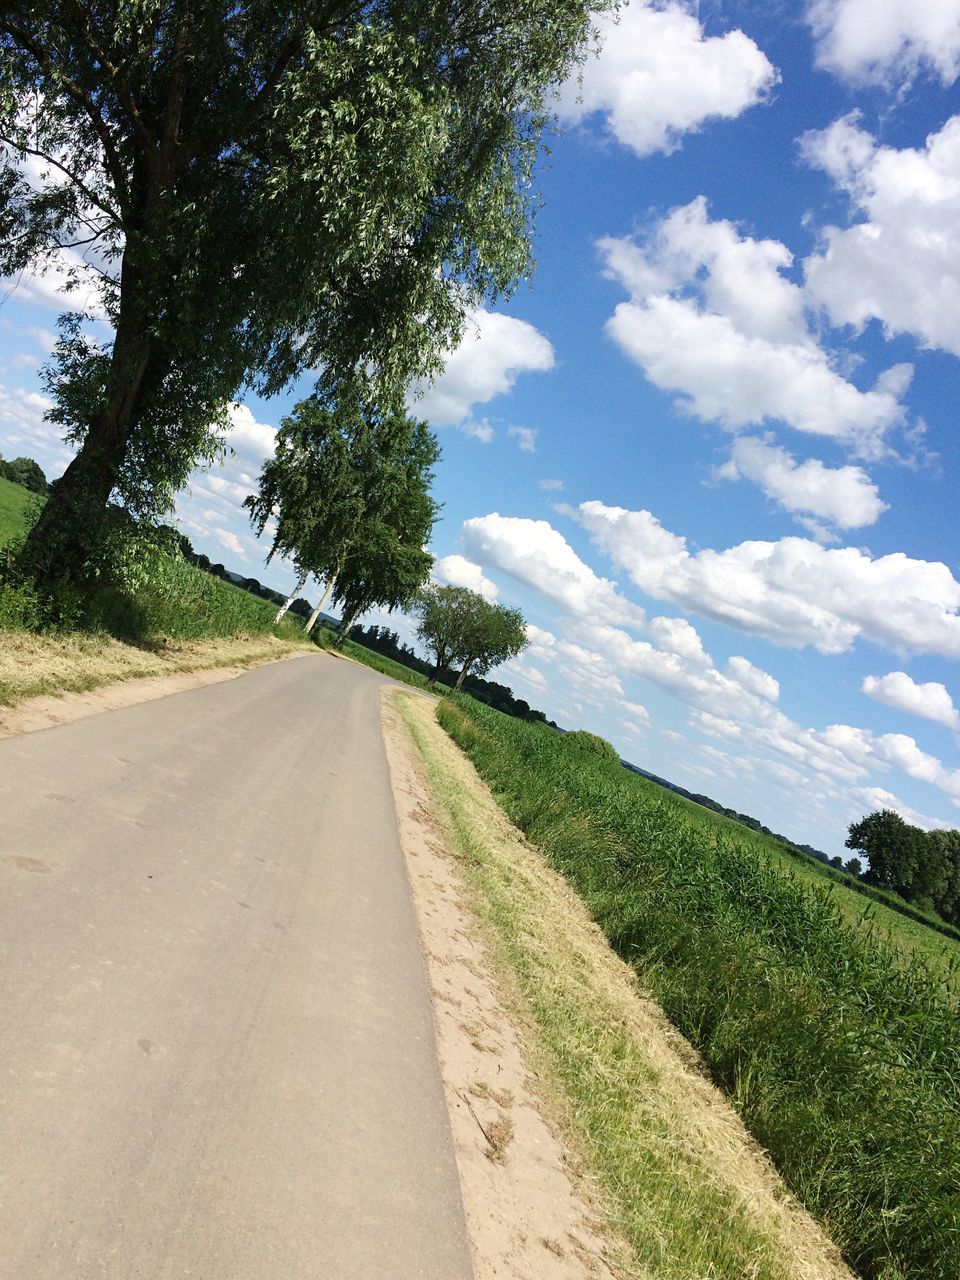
(637, 712)
(477, 429)
(880, 798)
(253, 441)
(844, 496)
(494, 352)
(794, 592)
(526, 438)
(24, 430)
(534, 553)
(551, 486)
(657, 77)
(676, 635)
(882, 41)
(712, 317)
(715, 726)
(900, 261)
(930, 700)
(751, 678)
(458, 571)
(231, 542)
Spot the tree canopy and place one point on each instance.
(349, 491)
(921, 866)
(460, 626)
(259, 188)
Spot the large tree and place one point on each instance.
(348, 492)
(460, 627)
(259, 187)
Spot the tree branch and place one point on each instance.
(114, 216)
(83, 99)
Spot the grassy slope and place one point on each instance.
(677, 1177)
(173, 618)
(843, 1058)
(15, 503)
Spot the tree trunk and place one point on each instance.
(464, 670)
(290, 598)
(61, 543)
(319, 609)
(346, 623)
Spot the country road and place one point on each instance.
(217, 1054)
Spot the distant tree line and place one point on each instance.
(498, 696)
(923, 867)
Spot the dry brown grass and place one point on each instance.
(35, 665)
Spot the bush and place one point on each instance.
(593, 744)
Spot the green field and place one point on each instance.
(835, 1036)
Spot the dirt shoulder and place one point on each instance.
(588, 1138)
(51, 680)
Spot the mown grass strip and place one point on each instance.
(843, 1060)
(677, 1174)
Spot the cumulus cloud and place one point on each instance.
(931, 701)
(526, 438)
(879, 798)
(843, 496)
(793, 592)
(713, 318)
(253, 441)
(458, 571)
(637, 713)
(494, 352)
(753, 679)
(677, 636)
(232, 543)
(24, 429)
(900, 261)
(657, 76)
(884, 41)
(534, 553)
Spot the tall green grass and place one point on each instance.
(142, 589)
(843, 1059)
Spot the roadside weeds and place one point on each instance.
(47, 680)
(663, 1179)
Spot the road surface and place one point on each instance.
(217, 1055)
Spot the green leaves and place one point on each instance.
(349, 489)
(459, 626)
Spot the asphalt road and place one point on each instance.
(217, 1055)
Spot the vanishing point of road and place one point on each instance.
(217, 1055)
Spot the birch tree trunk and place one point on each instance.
(318, 610)
(290, 598)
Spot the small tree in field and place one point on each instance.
(458, 626)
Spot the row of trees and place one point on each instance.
(923, 867)
(346, 498)
(498, 696)
(249, 190)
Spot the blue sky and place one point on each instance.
(710, 449)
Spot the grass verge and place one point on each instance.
(34, 665)
(677, 1175)
(843, 1059)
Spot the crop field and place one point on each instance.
(835, 1040)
